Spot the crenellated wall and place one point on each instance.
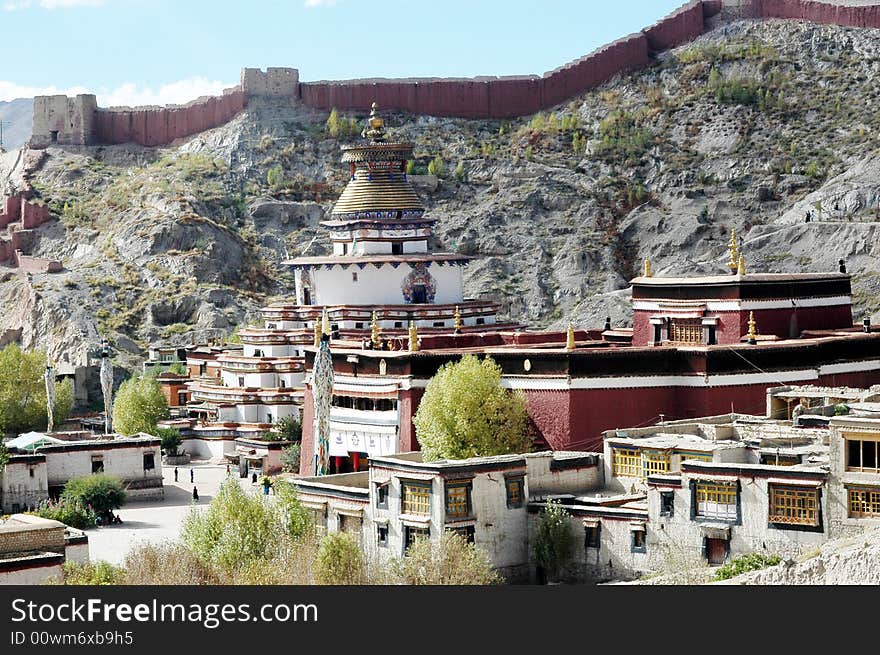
(62, 120)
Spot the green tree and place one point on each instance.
(290, 457)
(275, 176)
(554, 540)
(460, 173)
(451, 562)
(4, 455)
(139, 404)
(171, 440)
(290, 428)
(436, 167)
(69, 512)
(465, 412)
(23, 391)
(334, 126)
(103, 493)
(339, 560)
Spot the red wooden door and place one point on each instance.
(716, 550)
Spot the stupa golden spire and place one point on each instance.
(569, 338)
(648, 271)
(375, 129)
(374, 332)
(457, 317)
(753, 329)
(741, 265)
(413, 337)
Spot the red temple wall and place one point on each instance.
(819, 12)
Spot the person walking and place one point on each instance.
(175, 474)
(227, 470)
(192, 475)
(195, 495)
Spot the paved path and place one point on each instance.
(157, 521)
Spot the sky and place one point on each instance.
(137, 52)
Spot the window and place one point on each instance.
(97, 464)
(638, 543)
(439, 323)
(864, 503)
(514, 492)
(166, 357)
(397, 248)
(354, 277)
(412, 533)
(592, 536)
(350, 524)
(31, 471)
(319, 520)
(415, 498)
(716, 500)
(655, 462)
(861, 453)
(667, 503)
(382, 536)
(696, 457)
(458, 499)
(419, 294)
(467, 532)
(626, 463)
(794, 506)
(382, 496)
(258, 353)
(481, 321)
(358, 326)
(686, 330)
(16, 508)
(398, 324)
(240, 381)
(149, 461)
(281, 383)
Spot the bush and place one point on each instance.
(103, 493)
(436, 167)
(72, 512)
(290, 428)
(339, 560)
(92, 573)
(290, 457)
(746, 563)
(171, 440)
(554, 541)
(451, 562)
(274, 177)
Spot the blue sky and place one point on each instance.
(160, 51)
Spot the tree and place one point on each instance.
(436, 167)
(103, 493)
(290, 457)
(274, 177)
(465, 412)
(139, 405)
(23, 391)
(554, 541)
(339, 560)
(453, 561)
(334, 126)
(290, 428)
(171, 440)
(4, 455)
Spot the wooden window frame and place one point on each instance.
(626, 463)
(784, 505)
(862, 438)
(863, 502)
(406, 505)
(686, 331)
(515, 501)
(456, 503)
(706, 492)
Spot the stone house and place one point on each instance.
(32, 549)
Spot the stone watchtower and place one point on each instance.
(62, 120)
(274, 83)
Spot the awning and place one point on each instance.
(591, 523)
(715, 530)
(813, 484)
(637, 526)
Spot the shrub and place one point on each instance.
(72, 512)
(103, 493)
(275, 177)
(460, 173)
(436, 167)
(339, 560)
(290, 457)
(746, 563)
(171, 440)
(554, 541)
(290, 428)
(92, 573)
(451, 562)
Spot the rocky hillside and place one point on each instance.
(748, 128)
(17, 116)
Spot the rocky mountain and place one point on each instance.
(751, 127)
(17, 116)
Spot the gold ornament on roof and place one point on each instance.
(374, 332)
(648, 271)
(413, 337)
(375, 130)
(457, 317)
(753, 330)
(733, 262)
(741, 266)
(569, 338)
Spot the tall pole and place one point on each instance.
(322, 390)
(106, 383)
(50, 397)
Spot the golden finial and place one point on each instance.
(375, 130)
(374, 332)
(753, 332)
(741, 265)
(569, 338)
(733, 263)
(457, 317)
(325, 323)
(648, 271)
(413, 337)
(317, 333)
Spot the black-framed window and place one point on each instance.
(149, 461)
(98, 465)
(382, 536)
(413, 533)
(515, 491)
(382, 496)
(415, 498)
(667, 503)
(593, 536)
(638, 542)
(458, 499)
(466, 531)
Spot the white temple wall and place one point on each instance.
(382, 286)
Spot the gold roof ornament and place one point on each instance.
(457, 323)
(569, 338)
(374, 332)
(753, 329)
(317, 333)
(325, 323)
(413, 337)
(375, 130)
(733, 247)
(741, 265)
(648, 271)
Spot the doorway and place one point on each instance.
(716, 550)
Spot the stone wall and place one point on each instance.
(827, 13)
(23, 533)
